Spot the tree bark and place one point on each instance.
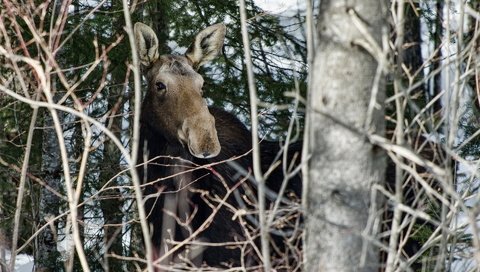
(47, 256)
(112, 201)
(412, 55)
(158, 12)
(344, 165)
(437, 59)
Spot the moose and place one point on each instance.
(195, 163)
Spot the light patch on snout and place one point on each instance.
(198, 133)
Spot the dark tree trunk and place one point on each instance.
(47, 256)
(412, 57)
(437, 59)
(158, 13)
(111, 200)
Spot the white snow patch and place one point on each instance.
(23, 262)
(276, 6)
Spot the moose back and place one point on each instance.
(195, 163)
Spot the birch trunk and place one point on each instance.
(344, 165)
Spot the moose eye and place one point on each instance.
(160, 86)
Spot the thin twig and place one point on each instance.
(21, 186)
(392, 258)
(255, 144)
(307, 135)
(135, 67)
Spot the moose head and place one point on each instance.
(173, 105)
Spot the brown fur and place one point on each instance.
(186, 146)
(179, 111)
(174, 96)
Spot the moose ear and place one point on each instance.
(147, 43)
(207, 45)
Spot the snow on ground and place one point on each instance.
(23, 262)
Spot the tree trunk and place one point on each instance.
(3, 240)
(412, 55)
(344, 165)
(437, 59)
(158, 12)
(47, 256)
(111, 203)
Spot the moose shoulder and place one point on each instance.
(195, 164)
